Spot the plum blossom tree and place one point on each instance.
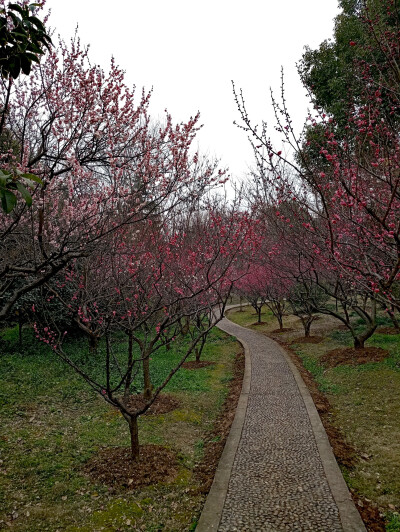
(145, 287)
(348, 206)
(102, 164)
(253, 286)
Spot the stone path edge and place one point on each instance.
(349, 516)
(212, 510)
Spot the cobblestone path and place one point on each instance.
(277, 481)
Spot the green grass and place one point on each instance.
(52, 423)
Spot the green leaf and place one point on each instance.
(25, 65)
(25, 194)
(16, 7)
(32, 57)
(8, 201)
(33, 177)
(38, 23)
(15, 67)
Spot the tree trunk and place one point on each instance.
(146, 377)
(362, 338)
(280, 321)
(134, 432)
(199, 350)
(394, 319)
(259, 314)
(20, 323)
(130, 362)
(93, 343)
(307, 327)
(358, 342)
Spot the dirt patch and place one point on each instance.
(162, 405)
(353, 357)
(387, 330)
(114, 467)
(259, 323)
(283, 330)
(215, 441)
(370, 514)
(307, 340)
(192, 364)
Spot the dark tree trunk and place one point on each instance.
(280, 321)
(259, 314)
(358, 343)
(307, 327)
(130, 368)
(20, 323)
(146, 377)
(93, 344)
(360, 340)
(395, 322)
(134, 432)
(199, 350)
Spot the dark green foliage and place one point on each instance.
(333, 73)
(24, 42)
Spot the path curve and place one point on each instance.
(277, 472)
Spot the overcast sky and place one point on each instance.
(190, 51)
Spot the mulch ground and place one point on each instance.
(307, 340)
(353, 357)
(162, 405)
(387, 330)
(114, 467)
(192, 364)
(215, 442)
(346, 455)
(283, 330)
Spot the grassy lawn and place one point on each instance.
(52, 423)
(365, 401)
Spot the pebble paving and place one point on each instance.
(277, 481)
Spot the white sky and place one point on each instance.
(189, 53)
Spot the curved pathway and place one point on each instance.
(277, 472)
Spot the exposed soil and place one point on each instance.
(215, 442)
(346, 455)
(387, 330)
(353, 357)
(307, 340)
(115, 468)
(192, 364)
(259, 323)
(162, 405)
(370, 514)
(283, 330)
